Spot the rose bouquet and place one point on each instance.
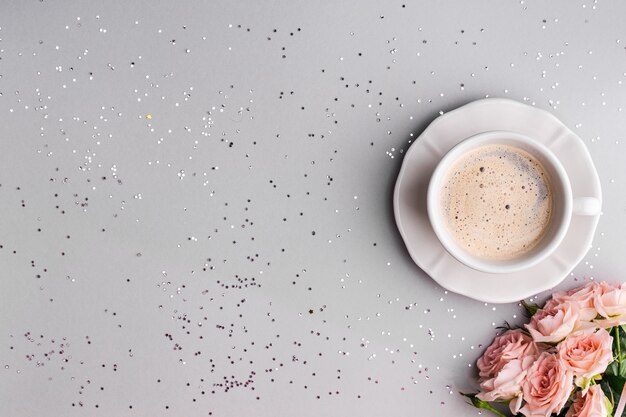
(569, 360)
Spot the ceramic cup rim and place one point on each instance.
(559, 221)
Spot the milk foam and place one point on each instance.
(497, 201)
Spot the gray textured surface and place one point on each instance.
(196, 197)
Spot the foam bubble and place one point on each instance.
(497, 201)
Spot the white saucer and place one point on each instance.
(440, 136)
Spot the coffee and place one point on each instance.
(497, 202)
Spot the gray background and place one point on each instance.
(196, 197)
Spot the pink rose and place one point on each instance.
(512, 344)
(555, 323)
(592, 404)
(547, 386)
(587, 354)
(503, 366)
(610, 301)
(583, 296)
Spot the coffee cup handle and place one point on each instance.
(586, 206)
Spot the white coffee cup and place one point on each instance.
(564, 204)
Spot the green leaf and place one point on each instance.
(612, 369)
(530, 308)
(478, 403)
(507, 326)
(615, 384)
